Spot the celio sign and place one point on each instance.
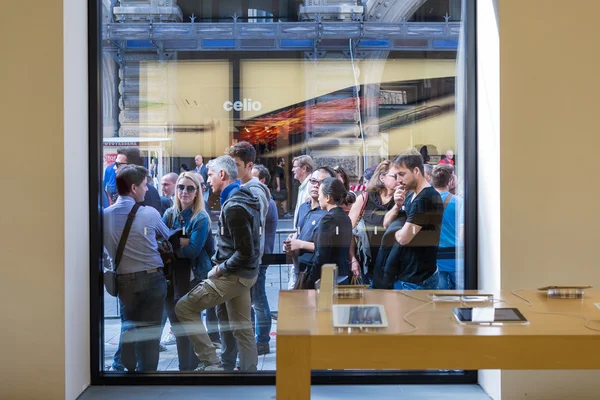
(244, 105)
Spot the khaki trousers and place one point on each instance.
(235, 293)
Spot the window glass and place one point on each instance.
(368, 96)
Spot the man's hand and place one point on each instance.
(278, 189)
(294, 245)
(214, 273)
(399, 196)
(184, 242)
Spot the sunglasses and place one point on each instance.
(118, 164)
(189, 189)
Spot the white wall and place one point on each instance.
(488, 183)
(77, 277)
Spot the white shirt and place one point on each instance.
(303, 196)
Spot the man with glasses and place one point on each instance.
(301, 245)
(133, 156)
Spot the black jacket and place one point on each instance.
(387, 264)
(238, 237)
(332, 244)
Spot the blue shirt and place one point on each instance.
(450, 232)
(308, 221)
(141, 250)
(109, 182)
(228, 191)
(271, 227)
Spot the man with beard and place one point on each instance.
(415, 222)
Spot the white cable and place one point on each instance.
(514, 292)
(410, 312)
(529, 303)
(413, 297)
(360, 127)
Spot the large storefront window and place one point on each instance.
(306, 92)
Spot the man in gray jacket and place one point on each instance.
(244, 155)
(235, 271)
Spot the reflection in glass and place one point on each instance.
(348, 88)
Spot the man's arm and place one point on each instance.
(297, 244)
(159, 226)
(405, 235)
(390, 216)
(278, 180)
(241, 232)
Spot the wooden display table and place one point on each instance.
(306, 339)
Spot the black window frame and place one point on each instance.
(98, 377)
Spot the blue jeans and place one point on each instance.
(142, 297)
(260, 303)
(430, 283)
(447, 281)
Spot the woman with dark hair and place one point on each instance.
(334, 234)
(342, 176)
(367, 216)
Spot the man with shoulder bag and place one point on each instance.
(130, 233)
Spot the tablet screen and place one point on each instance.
(367, 315)
(488, 314)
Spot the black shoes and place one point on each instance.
(263, 348)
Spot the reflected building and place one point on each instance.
(349, 83)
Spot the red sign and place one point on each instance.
(109, 159)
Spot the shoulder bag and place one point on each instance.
(110, 276)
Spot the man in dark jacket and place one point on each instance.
(235, 271)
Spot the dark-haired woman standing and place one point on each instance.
(332, 245)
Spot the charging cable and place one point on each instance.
(529, 304)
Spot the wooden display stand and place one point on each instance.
(307, 340)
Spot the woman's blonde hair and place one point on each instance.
(198, 205)
(375, 184)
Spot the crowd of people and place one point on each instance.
(389, 236)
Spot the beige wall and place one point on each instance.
(32, 338)
(549, 86)
(44, 295)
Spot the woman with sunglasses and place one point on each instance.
(193, 255)
(371, 207)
